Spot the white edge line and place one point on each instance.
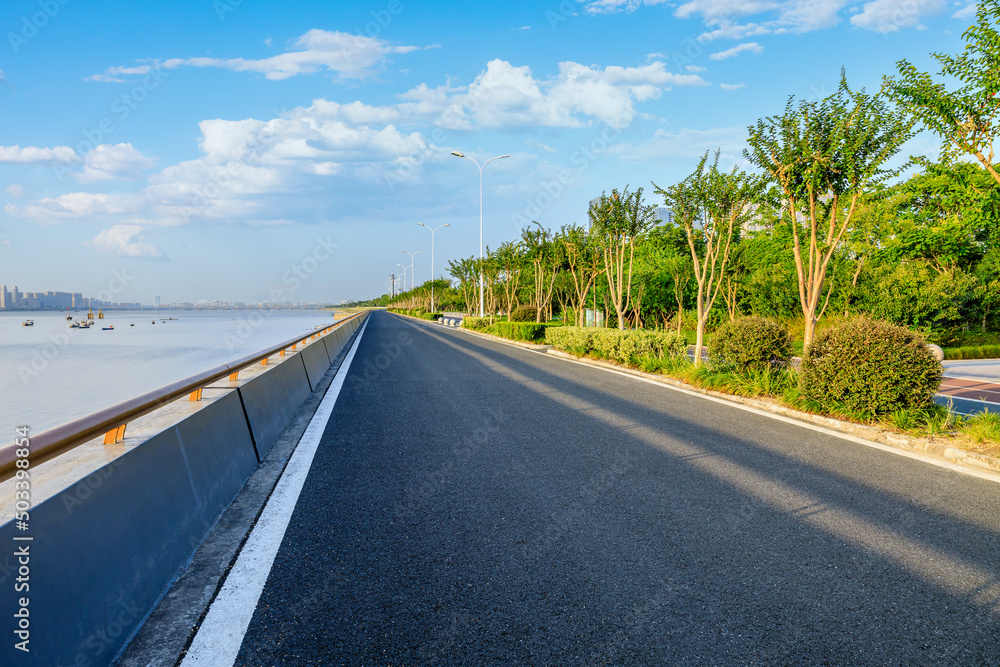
(221, 633)
(948, 465)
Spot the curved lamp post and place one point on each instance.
(482, 307)
(413, 275)
(432, 257)
(404, 275)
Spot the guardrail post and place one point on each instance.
(233, 377)
(196, 394)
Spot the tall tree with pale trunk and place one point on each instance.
(826, 157)
(619, 221)
(713, 205)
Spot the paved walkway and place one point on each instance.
(971, 385)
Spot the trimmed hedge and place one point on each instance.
(621, 346)
(973, 352)
(524, 313)
(415, 312)
(750, 344)
(872, 368)
(526, 331)
(475, 323)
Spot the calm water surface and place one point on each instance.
(51, 374)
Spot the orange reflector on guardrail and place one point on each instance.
(115, 435)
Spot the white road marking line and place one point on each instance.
(221, 633)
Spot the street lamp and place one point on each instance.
(432, 257)
(413, 274)
(404, 275)
(482, 307)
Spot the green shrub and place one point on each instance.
(750, 344)
(571, 339)
(627, 347)
(524, 313)
(973, 352)
(475, 323)
(526, 331)
(434, 317)
(869, 368)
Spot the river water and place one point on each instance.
(51, 374)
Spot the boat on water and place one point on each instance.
(28, 323)
(111, 328)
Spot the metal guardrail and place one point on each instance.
(112, 421)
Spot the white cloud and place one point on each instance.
(684, 143)
(126, 241)
(15, 191)
(752, 47)
(542, 147)
(3, 77)
(348, 56)
(738, 31)
(890, 15)
(72, 205)
(35, 155)
(611, 6)
(107, 161)
(732, 86)
(508, 96)
(694, 68)
(779, 16)
(782, 16)
(967, 11)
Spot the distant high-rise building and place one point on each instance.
(77, 301)
(4, 297)
(591, 204)
(156, 300)
(665, 215)
(16, 298)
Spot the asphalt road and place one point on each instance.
(473, 503)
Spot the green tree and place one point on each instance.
(825, 157)
(721, 202)
(967, 118)
(619, 221)
(546, 253)
(583, 260)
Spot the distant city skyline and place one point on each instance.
(14, 299)
(285, 151)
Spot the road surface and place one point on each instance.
(474, 503)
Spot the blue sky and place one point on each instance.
(246, 150)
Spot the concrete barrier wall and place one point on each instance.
(316, 361)
(104, 549)
(272, 399)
